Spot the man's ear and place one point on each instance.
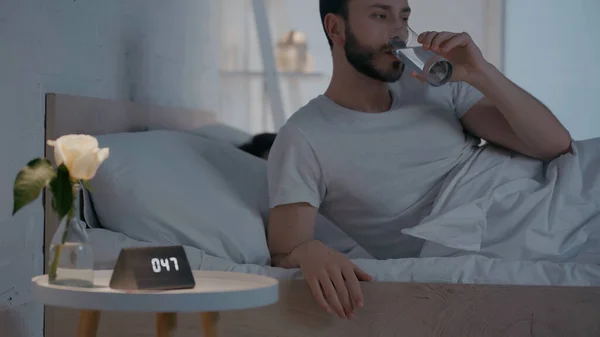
(335, 26)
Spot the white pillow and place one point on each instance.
(223, 133)
(251, 183)
(177, 188)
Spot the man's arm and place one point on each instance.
(332, 278)
(508, 116)
(296, 189)
(289, 226)
(512, 118)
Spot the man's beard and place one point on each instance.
(362, 59)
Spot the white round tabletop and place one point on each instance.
(214, 291)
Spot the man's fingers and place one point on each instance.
(443, 41)
(354, 287)
(331, 295)
(342, 291)
(440, 39)
(418, 77)
(362, 276)
(317, 293)
(456, 41)
(427, 38)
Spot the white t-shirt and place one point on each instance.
(374, 174)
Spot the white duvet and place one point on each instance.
(500, 219)
(470, 269)
(519, 209)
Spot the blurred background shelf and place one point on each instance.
(260, 74)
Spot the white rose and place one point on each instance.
(80, 154)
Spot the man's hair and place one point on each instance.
(259, 144)
(339, 7)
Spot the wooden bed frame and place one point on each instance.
(391, 309)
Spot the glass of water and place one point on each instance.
(432, 67)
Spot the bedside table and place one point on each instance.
(214, 292)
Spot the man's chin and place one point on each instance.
(393, 73)
(398, 73)
(391, 77)
(389, 73)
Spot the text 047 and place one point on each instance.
(159, 264)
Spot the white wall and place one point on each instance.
(552, 50)
(147, 50)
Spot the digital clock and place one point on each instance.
(160, 265)
(152, 268)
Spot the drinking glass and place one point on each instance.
(432, 67)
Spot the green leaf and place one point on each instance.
(62, 192)
(30, 182)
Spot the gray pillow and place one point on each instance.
(177, 188)
(223, 133)
(245, 176)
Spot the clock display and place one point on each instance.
(152, 268)
(160, 265)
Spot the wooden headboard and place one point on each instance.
(68, 114)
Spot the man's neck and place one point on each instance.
(355, 91)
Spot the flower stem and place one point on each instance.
(54, 265)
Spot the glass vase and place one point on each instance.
(71, 261)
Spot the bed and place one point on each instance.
(469, 295)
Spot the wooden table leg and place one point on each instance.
(165, 324)
(210, 322)
(88, 323)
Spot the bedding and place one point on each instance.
(218, 213)
(155, 186)
(504, 205)
(186, 188)
(223, 133)
(468, 269)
